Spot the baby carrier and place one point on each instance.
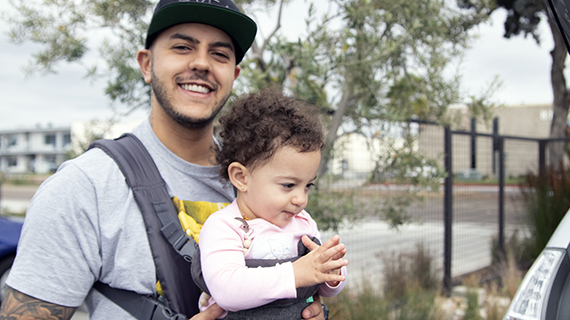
(172, 249)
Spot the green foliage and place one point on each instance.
(363, 63)
(547, 199)
(367, 304)
(516, 246)
(409, 292)
(400, 163)
(406, 272)
(416, 304)
(472, 312)
(332, 208)
(63, 27)
(93, 130)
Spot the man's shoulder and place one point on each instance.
(93, 167)
(94, 159)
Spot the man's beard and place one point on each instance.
(165, 101)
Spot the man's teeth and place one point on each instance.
(197, 88)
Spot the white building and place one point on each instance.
(39, 150)
(42, 150)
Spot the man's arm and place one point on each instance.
(18, 306)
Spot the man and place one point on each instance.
(83, 224)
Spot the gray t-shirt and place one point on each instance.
(83, 225)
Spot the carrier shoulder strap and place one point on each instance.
(172, 249)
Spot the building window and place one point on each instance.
(66, 139)
(12, 161)
(51, 162)
(12, 140)
(49, 139)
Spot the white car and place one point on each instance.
(545, 290)
(544, 293)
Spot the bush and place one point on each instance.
(547, 199)
(404, 271)
(331, 208)
(368, 303)
(408, 293)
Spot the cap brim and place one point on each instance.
(239, 27)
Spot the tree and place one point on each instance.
(363, 62)
(523, 17)
(366, 63)
(370, 62)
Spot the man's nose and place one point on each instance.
(200, 61)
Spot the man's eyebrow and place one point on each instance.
(223, 44)
(184, 37)
(196, 41)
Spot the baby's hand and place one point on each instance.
(322, 264)
(338, 256)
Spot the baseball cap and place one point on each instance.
(222, 14)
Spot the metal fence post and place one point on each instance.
(473, 143)
(501, 240)
(495, 134)
(447, 211)
(542, 158)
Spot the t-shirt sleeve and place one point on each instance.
(58, 254)
(233, 285)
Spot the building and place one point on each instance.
(42, 150)
(527, 121)
(356, 156)
(39, 150)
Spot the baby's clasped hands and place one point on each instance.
(322, 264)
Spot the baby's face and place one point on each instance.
(278, 190)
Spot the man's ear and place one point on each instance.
(144, 58)
(237, 72)
(239, 175)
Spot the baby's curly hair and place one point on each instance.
(261, 123)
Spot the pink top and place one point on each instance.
(234, 286)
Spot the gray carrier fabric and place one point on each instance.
(283, 309)
(172, 249)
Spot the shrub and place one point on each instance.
(547, 199)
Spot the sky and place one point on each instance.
(59, 99)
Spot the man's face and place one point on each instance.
(192, 70)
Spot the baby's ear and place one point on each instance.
(239, 176)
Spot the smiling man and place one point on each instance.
(83, 225)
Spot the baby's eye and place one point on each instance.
(289, 185)
(310, 185)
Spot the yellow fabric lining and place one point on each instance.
(192, 225)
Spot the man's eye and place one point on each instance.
(181, 48)
(222, 55)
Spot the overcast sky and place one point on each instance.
(67, 96)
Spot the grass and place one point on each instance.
(410, 291)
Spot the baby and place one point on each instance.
(257, 254)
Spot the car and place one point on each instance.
(545, 290)
(9, 235)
